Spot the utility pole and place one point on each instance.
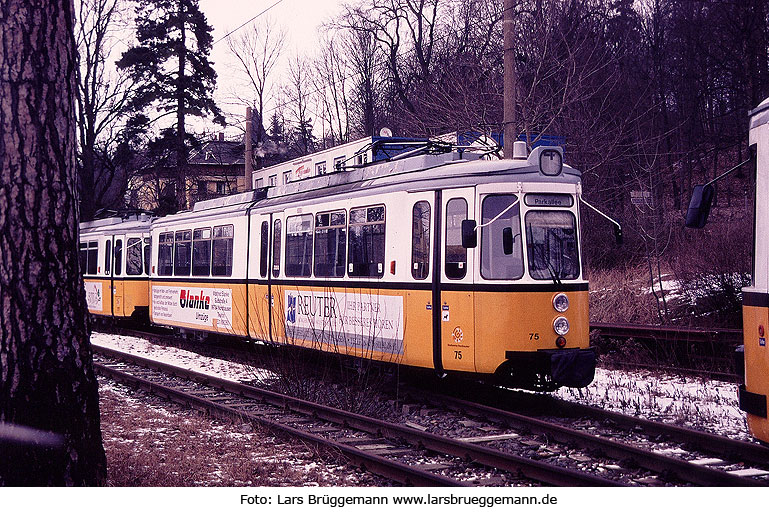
(509, 79)
(249, 152)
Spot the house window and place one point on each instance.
(221, 187)
(320, 168)
(202, 187)
(273, 180)
(259, 183)
(286, 177)
(338, 163)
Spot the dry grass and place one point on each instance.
(621, 295)
(159, 445)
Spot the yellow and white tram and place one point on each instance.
(440, 261)
(755, 307)
(114, 260)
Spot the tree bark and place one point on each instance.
(46, 373)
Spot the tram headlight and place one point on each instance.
(561, 326)
(561, 302)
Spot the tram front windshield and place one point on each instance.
(551, 240)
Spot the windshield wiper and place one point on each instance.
(549, 266)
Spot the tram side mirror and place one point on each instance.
(507, 240)
(699, 206)
(618, 234)
(469, 234)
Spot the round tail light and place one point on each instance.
(560, 342)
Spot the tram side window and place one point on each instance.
(83, 247)
(420, 240)
(456, 255)
(264, 245)
(495, 264)
(147, 254)
(330, 243)
(201, 252)
(93, 257)
(107, 256)
(165, 254)
(298, 245)
(89, 253)
(221, 254)
(118, 258)
(183, 253)
(276, 249)
(133, 261)
(366, 245)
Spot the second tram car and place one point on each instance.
(114, 260)
(437, 260)
(755, 306)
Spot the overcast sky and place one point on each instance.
(300, 18)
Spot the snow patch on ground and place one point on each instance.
(178, 357)
(707, 405)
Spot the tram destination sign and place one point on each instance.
(559, 200)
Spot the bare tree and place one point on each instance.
(298, 92)
(258, 51)
(366, 71)
(331, 79)
(407, 33)
(46, 377)
(102, 94)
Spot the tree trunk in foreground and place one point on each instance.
(46, 373)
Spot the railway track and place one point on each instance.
(707, 353)
(668, 333)
(700, 458)
(390, 449)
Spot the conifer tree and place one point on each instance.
(170, 64)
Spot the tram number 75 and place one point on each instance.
(457, 354)
(533, 336)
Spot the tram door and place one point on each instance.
(106, 264)
(456, 304)
(259, 270)
(118, 273)
(277, 295)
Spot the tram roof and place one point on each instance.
(408, 174)
(133, 222)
